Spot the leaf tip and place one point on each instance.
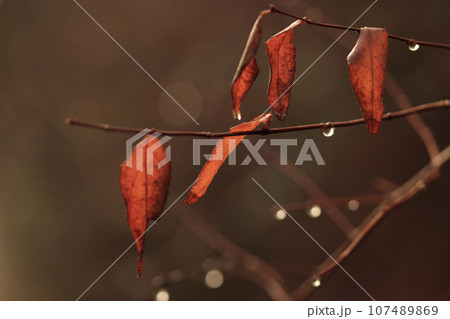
(140, 265)
(281, 115)
(373, 126)
(191, 199)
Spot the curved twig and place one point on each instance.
(267, 277)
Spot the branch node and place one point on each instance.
(328, 125)
(70, 120)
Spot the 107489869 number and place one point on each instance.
(403, 310)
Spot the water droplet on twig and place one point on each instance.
(280, 214)
(315, 281)
(214, 279)
(237, 115)
(413, 46)
(328, 131)
(353, 205)
(315, 211)
(162, 295)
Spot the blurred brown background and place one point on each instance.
(62, 216)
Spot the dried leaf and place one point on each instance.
(281, 54)
(144, 194)
(247, 69)
(224, 147)
(367, 65)
(241, 86)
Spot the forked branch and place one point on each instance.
(266, 276)
(403, 193)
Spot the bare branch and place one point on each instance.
(387, 116)
(394, 199)
(408, 41)
(312, 189)
(414, 120)
(325, 202)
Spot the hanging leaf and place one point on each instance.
(223, 148)
(144, 187)
(367, 65)
(281, 54)
(242, 84)
(247, 69)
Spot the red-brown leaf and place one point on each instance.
(247, 69)
(281, 54)
(241, 86)
(219, 155)
(144, 194)
(367, 65)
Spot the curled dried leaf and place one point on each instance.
(247, 69)
(367, 66)
(223, 148)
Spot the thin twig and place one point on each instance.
(410, 188)
(387, 116)
(408, 41)
(309, 186)
(197, 272)
(267, 277)
(383, 185)
(416, 122)
(325, 202)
